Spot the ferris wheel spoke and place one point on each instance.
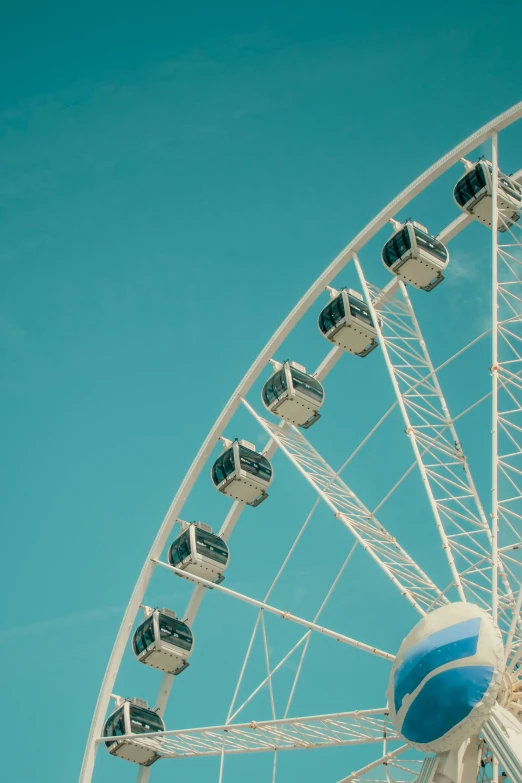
(303, 642)
(231, 712)
(318, 614)
(268, 669)
(361, 727)
(456, 507)
(384, 549)
(268, 679)
(284, 614)
(507, 422)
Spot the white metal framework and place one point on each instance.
(344, 728)
(458, 513)
(481, 538)
(383, 548)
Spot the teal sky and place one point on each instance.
(172, 179)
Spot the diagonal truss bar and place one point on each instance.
(343, 728)
(285, 615)
(456, 507)
(419, 590)
(303, 642)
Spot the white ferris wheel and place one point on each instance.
(452, 711)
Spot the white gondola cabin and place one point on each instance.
(346, 321)
(293, 395)
(200, 552)
(242, 473)
(133, 717)
(163, 641)
(473, 194)
(415, 256)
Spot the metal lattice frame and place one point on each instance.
(404, 573)
(507, 413)
(419, 590)
(458, 513)
(467, 537)
(344, 728)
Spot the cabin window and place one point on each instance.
(229, 465)
(275, 387)
(431, 245)
(332, 314)
(223, 467)
(269, 394)
(144, 636)
(211, 546)
(471, 183)
(115, 726)
(307, 385)
(218, 473)
(255, 464)
(360, 309)
(184, 545)
(280, 382)
(143, 721)
(396, 247)
(174, 632)
(180, 549)
(174, 555)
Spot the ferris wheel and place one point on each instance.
(452, 711)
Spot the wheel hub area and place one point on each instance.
(447, 676)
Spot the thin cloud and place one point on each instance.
(68, 620)
(463, 266)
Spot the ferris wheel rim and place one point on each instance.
(430, 175)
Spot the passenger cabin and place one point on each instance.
(242, 473)
(133, 716)
(473, 195)
(415, 256)
(346, 321)
(163, 642)
(197, 550)
(293, 395)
